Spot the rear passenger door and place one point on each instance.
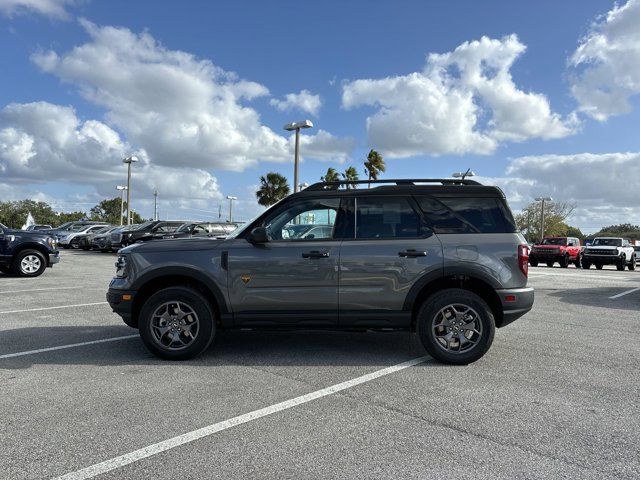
(390, 249)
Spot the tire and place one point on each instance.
(586, 265)
(564, 261)
(29, 263)
(533, 263)
(157, 335)
(434, 310)
(5, 270)
(74, 244)
(632, 265)
(550, 264)
(578, 262)
(621, 263)
(599, 266)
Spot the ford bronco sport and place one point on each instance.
(564, 250)
(438, 257)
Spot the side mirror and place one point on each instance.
(258, 235)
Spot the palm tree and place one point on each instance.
(374, 165)
(350, 175)
(331, 176)
(273, 188)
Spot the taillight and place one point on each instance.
(523, 259)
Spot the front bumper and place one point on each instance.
(515, 303)
(121, 302)
(601, 259)
(54, 258)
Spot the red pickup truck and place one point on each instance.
(564, 250)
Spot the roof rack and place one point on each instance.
(401, 181)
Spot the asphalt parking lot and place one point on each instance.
(557, 396)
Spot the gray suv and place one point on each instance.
(438, 257)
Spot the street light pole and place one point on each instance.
(155, 204)
(296, 126)
(129, 160)
(231, 199)
(122, 188)
(542, 199)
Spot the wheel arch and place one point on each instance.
(31, 246)
(161, 278)
(426, 287)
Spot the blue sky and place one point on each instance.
(329, 49)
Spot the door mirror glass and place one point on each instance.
(258, 235)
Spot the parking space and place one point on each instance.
(556, 396)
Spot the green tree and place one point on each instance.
(350, 175)
(109, 211)
(331, 176)
(273, 188)
(374, 165)
(621, 228)
(555, 214)
(575, 232)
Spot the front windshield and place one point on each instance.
(554, 241)
(77, 228)
(3, 226)
(608, 242)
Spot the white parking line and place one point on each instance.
(626, 293)
(63, 347)
(126, 459)
(54, 308)
(48, 289)
(584, 276)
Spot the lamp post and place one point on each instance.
(542, 199)
(122, 188)
(129, 160)
(290, 127)
(463, 175)
(155, 204)
(231, 199)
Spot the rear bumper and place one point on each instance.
(515, 303)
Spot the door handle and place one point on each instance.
(411, 253)
(315, 254)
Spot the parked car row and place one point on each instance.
(108, 238)
(601, 251)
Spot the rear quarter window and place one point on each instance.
(467, 214)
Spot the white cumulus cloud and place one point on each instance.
(464, 101)
(49, 8)
(180, 109)
(602, 186)
(42, 142)
(606, 64)
(305, 101)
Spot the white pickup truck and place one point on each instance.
(609, 251)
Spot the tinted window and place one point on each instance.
(466, 215)
(608, 242)
(386, 217)
(554, 241)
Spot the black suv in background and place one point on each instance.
(26, 253)
(144, 232)
(441, 257)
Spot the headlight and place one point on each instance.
(52, 242)
(121, 266)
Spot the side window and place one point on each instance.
(466, 215)
(386, 217)
(570, 242)
(300, 220)
(199, 230)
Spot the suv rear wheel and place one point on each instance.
(632, 265)
(564, 261)
(621, 263)
(177, 323)
(29, 263)
(455, 326)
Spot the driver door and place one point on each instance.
(293, 278)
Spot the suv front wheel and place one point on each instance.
(455, 326)
(177, 323)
